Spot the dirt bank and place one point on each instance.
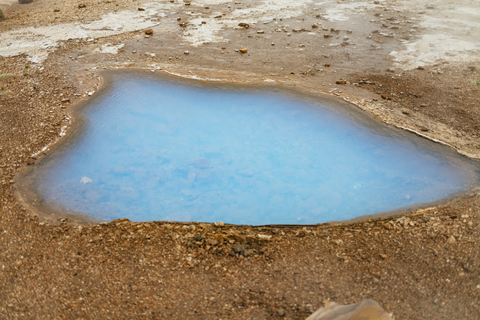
(424, 264)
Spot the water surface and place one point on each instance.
(154, 149)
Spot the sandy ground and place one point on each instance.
(412, 65)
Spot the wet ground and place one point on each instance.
(413, 66)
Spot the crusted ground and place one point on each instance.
(423, 264)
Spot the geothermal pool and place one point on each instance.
(155, 149)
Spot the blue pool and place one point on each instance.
(156, 149)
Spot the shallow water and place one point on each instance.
(159, 150)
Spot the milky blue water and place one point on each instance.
(158, 150)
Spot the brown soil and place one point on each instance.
(421, 265)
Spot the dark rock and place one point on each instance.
(243, 24)
(2, 17)
(24, 1)
(30, 161)
(341, 82)
(149, 32)
(82, 5)
(198, 237)
(141, 9)
(239, 249)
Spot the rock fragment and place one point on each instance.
(451, 240)
(82, 5)
(243, 24)
(367, 309)
(239, 249)
(212, 242)
(2, 17)
(299, 30)
(341, 81)
(149, 32)
(243, 50)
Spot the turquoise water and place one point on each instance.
(159, 150)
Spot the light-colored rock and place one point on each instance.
(451, 240)
(365, 310)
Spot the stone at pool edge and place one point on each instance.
(367, 309)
